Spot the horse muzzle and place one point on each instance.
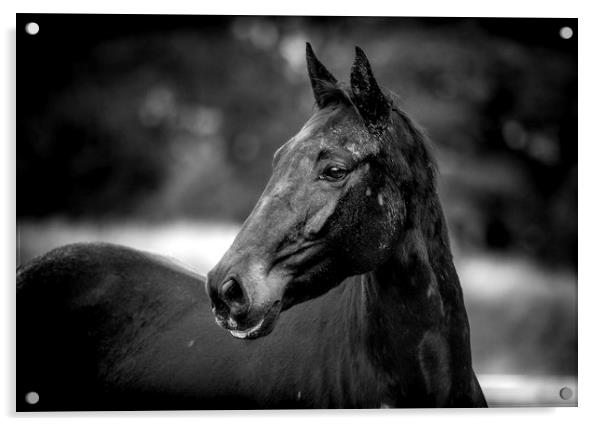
(245, 311)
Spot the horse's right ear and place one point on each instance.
(321, 79)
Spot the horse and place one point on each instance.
(339, 291)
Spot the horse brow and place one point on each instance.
(330, 153)
(326, 153)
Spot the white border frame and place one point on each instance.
(590, 284)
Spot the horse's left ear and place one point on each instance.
(320, 78)
(367, 96)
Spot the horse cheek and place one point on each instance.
(316, 225)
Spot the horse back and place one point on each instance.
(96, 321)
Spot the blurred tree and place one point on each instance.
(158, 117)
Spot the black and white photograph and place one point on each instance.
(231, 212)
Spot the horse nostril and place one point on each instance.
(233, 294)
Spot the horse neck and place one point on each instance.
(413, 305)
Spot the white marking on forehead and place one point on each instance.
(299, 395)
(381, 201)
(323, 143)
(191, 343)
(354, 150)
(303, 134)
(368, 192)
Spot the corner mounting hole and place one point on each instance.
(32, 28)
(566, 32)
(566, 393)
(32, 398)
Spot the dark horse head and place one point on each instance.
(339, 198)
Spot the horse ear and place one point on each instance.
(319, 77)
(365, 93)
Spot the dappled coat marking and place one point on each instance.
(339, 290)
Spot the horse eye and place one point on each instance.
(334, 173)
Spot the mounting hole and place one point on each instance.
(32, 398)
(32, 28)
(566, 393)
(566, 32)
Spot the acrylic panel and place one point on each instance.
(259, 212)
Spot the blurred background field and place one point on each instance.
(158, 133)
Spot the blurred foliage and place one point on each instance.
(182, 121)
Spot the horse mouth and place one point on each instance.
(262, 328)
(249, 333)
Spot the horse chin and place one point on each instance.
(262, 328)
